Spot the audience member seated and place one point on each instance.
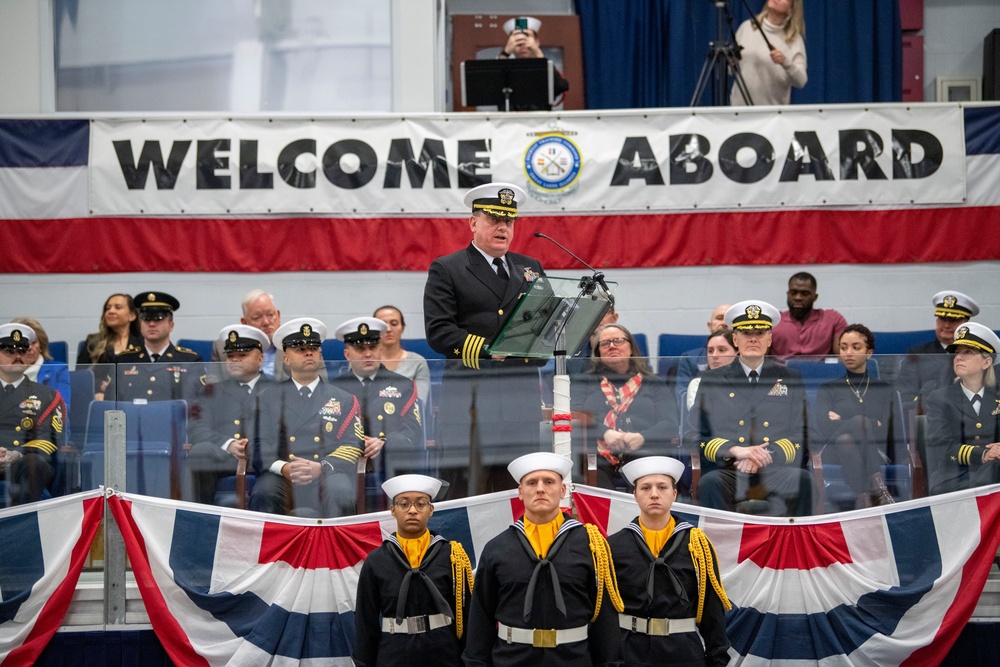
(634, 412)
(854, 416)
(226, 417)
(310, 435)
(926, 366)
(695, 361)
(963, 418)
(748, 422)
(581, 361)
(805, 330)
(720, 351)
(117, 332)
(259, 311)
(32, 422)
(42, 368)
(395, 358)
(159, 371)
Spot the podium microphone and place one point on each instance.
(598, 276)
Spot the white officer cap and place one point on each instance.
(533, 24)
(18, 335)
(499, 199)
(652, 465)
(360, 329)
(977, 336)
(523, 465)
(405, 483)
(242, 337)
(752, 315)
(300, 332)
(954, 305)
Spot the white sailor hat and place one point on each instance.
(499, 199)
(977, 336)
(652, 465)
(16, 335)
(360, 329)
(523, 465)
(300, 332)
(242, 337)
(533, 24)
(405, 483)
(954, 305)
(752, 315)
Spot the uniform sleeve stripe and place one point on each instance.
(44, 445)
(713, 447)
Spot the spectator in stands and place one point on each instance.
(926, 366)
(522, 42)
(259, 311)
(774, 57)
(633, 410)
(963, 418)
(695, 361)
(748, 422)
(310, 436)
(581, 362)
(854, 419)
(226, 417)
(43, 369)
(117, 332)
(395, 358)
(805, 330)
(720, 352)
(32, 422)
(160, 370)
(390, 412)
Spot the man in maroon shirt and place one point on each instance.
(805, 330)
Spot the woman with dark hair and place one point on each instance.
(395, 358)
(634, 412)
(117, 332)
(854, 415)
(720, 350)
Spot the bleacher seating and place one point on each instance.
(154, 437)
(333, 350)
(898, 342)
(59, 350)
(671, 346)
(202, 347)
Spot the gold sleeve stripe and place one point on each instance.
(713, 447)
(347, 453)
(788, 447)
(965, 453)
(470, 350)
(44, 445)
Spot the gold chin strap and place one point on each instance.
(703, 556)
(604, 570)
(461, 573)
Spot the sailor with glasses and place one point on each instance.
(413, 591)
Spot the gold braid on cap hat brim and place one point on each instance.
(972, 342)
(497, 210)
(952, 313)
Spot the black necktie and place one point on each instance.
(753, 377)
(304, 392)
(975, 403)
(9, 389)
(248, 387)
(501, 270)
(155, 357)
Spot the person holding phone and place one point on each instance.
(522, 42)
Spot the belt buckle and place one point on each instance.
(659, 627)
(543, 639)
(416, 625)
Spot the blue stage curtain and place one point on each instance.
(648, 53)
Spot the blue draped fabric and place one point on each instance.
(648, 53)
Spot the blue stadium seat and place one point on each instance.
(81, 384)
(898, 342)
(333, 350)
(154, 435)
(59, 349)
(671, 346)
(202, 347)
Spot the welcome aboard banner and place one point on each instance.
(636, 161)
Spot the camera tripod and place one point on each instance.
(722, 60)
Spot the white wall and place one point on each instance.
(954, 31)
(650, 301)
